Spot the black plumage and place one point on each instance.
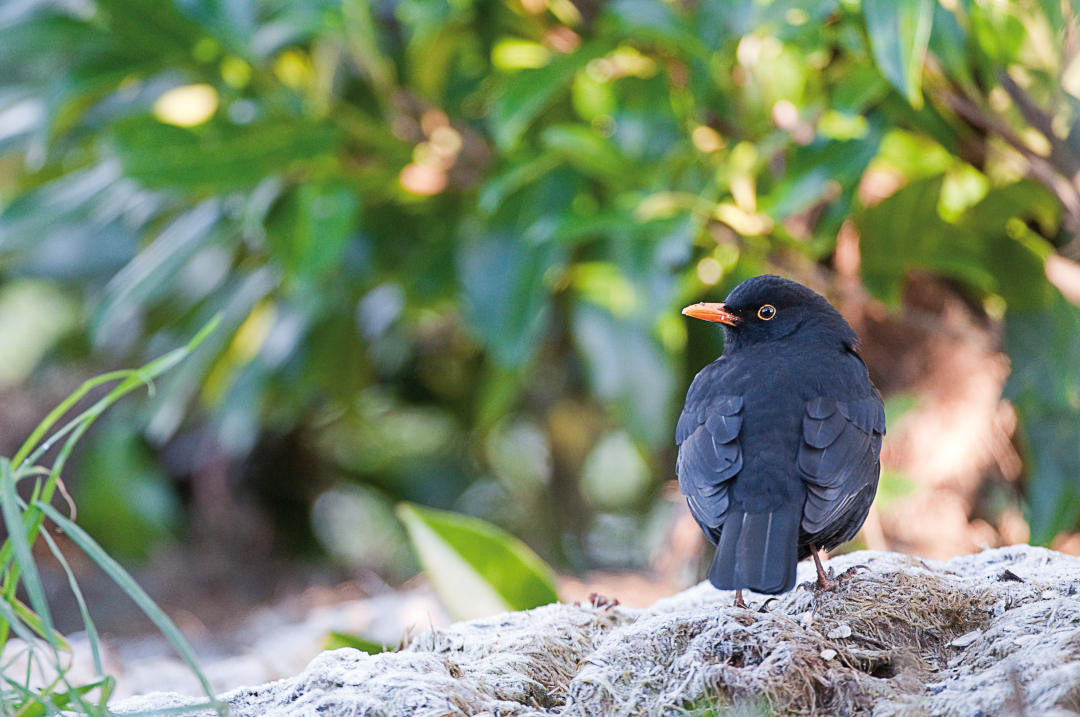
(780, 437)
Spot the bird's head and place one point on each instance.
(769, 308)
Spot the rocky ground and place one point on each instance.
(993, 633)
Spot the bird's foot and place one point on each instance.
(829, 580)
(739, 601)
(764, 607)
(601, 602)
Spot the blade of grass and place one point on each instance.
(20, 546)
(144, 375)
(65, 406)
(34, 622)
(131, 379)
(121, 577)
(7, 614)
(91, 629)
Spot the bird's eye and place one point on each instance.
(766, 312)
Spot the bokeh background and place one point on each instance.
(450, 240)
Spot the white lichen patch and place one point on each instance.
(991, 633)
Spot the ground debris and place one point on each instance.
(906, 637)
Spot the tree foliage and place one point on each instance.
(438, 228)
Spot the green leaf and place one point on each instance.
(1044, 386)
(218, 156)
(1013, 253)
(342, 639)
(594, 155)
(498, 188)
(899, 35)
(999, 33)
(949, 44)
(149, 30)
(314, 227)
(125, 500)
(815, 167)
(1026, 200)
(505, 294)
(904, 231)
(477, 568)
(628, 368)
(653, 20)
(155, 267)
(16, 523)
(529, 92)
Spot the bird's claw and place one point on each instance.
(601, 602)
(832, 580)
(850, 572)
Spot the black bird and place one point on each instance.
(780, 436)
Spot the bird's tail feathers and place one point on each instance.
(757, 551)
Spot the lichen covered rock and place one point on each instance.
(981, 634)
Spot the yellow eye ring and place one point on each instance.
(766, 312)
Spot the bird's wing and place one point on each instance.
(709, 457)
(839, 456)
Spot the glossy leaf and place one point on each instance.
(905, 231)
(477, 568)
(899, 35)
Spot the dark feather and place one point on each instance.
(757, 551)
(839, 471)
(709, 457)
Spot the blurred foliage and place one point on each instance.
(449, 239)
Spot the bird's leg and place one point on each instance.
(824, 582)
(738, 600)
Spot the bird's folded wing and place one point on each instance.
(709, 457)
(839, 455)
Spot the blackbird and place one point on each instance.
(780, 437)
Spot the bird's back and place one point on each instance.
(759, 530)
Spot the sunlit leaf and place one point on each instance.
(899, 34)
(477, 569)
(530, 91)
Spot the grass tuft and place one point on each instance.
(35, 659)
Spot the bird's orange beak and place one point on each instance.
(711, 312)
